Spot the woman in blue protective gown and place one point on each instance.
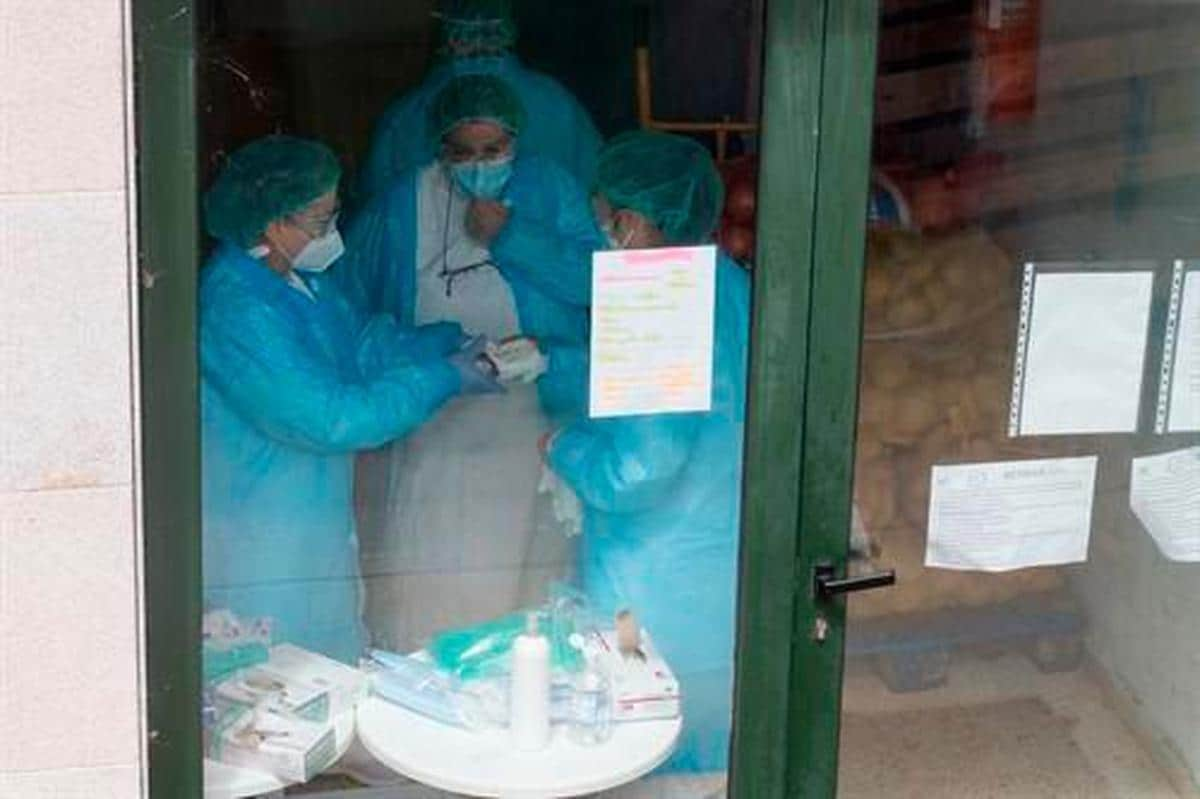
(294, 380)
(500, 243)
(660, 492)
(477, 37)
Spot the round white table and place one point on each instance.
(485, 764)
(225, 781)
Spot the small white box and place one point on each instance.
(292, 749)
(642, 689)
(346, 685)
(264, 687)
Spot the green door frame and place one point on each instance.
(817, 111)
(819, 69)
(168, 253)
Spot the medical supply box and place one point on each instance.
(292, 749)
(297, 682)
(643, 686)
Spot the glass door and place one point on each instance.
(358, 489)
(1026, 462)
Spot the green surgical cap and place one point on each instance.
(476, 26)
(474, 98)
(266, 180)
(670, 180)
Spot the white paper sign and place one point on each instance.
(1164, 493)
(1000, 516)
(652, 331)
(1185, 374)
(1084, 353)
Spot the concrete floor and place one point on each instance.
(1092, 714)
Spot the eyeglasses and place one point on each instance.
(488, 151)
(317, 226)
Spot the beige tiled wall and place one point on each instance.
(69, 690)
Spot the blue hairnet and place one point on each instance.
(476, 27)
(474, 98)
(670, 180)
(266, 180)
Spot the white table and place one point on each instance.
(485, 764)
(225, 781)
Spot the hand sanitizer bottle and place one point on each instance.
(529, 714)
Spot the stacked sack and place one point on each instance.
(939, 319)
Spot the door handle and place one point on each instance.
(827, 585)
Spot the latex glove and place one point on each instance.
(485, 220)
(474, 369)
(564, 502)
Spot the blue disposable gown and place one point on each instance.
(661, 499)
(544, 253)
(291, 387)
(556, 125)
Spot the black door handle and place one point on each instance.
(827, 584)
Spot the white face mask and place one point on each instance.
(320, 253)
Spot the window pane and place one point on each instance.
(439, 453)
(1034, 185)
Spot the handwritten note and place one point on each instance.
(1009, 515)
(1164, 493)
(652, 331)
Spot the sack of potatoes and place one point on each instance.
(939, 322)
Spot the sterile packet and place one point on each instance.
(482, 650)
(417, 685)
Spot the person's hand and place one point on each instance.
(474, 370)
(485, 219)
(474, 374)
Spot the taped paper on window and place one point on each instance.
(1080, 352)
(1179, 382)
(1164, 493)
(652, 331)
(1010, 515)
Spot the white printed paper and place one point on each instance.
(1185, 373)
(1085, 352)
(1010, 515)
(652, 331)
(1164, 493)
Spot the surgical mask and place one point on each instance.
(484, 179)
(320, 253)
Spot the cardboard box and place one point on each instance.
(642, 689)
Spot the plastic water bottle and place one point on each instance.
(591, 709)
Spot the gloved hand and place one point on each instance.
(473, 368)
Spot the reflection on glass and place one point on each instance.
(1058, 133)
(420, 548)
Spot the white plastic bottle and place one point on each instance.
(529, 691)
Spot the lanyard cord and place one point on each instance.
(447, 273)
